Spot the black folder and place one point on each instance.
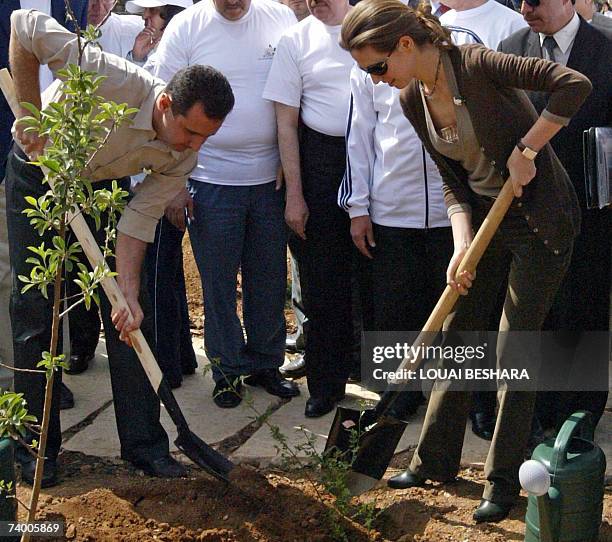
(598, 167)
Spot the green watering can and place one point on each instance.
(8, 504)
(565, 482)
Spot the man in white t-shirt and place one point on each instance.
(235, 210)
(118, 31)
(309, 85)
(488, 19)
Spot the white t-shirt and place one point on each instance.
(311, 71)
(244, 151)
(492, 22)
(44, 6)
(119, 33)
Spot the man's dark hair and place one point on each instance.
(204, 85)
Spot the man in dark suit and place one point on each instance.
(58, 12)
(583, 303)
(57, 9)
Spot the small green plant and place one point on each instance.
(326, 473)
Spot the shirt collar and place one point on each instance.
(144, 119)
(566, 36)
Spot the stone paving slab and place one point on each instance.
(205, 419)
(91, 389)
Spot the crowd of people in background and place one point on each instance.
(372, 189)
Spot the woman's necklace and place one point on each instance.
(430, 94)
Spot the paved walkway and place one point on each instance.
(90, 426)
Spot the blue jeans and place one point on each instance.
(241, 227)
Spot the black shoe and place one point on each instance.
(66, 398)
(78, 363)
(164, 467)
(406, 479)
(227, 392)
(271, 381)
(296, 368)
(189, 370)
(49, 478)
(319, 406)
(483, 425)
(489, 511)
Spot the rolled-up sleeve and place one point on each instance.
(152, 196)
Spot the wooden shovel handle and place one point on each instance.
(95, 257)
(449, 297)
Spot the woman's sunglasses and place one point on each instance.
(380, 68)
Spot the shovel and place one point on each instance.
(189, 443)
(379, 432)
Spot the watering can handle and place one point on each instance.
(580, 422)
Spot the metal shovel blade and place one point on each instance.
(372, 438)
(203, 455)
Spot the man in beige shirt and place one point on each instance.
(173, 122)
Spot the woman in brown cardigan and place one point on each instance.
(468, 107)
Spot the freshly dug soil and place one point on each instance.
(107, 500)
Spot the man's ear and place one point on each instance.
(165, 101)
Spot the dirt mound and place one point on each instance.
(108, 500)
(253, 507)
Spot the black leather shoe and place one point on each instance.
(78, 363)
(489, 511)
(49, 478)
(296, 368)
(66, 397)
(227, 392)
(483, 425)
(319, 406)
(271, 381)
(406, 479)
(164, 467)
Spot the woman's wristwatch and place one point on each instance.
(526, 151)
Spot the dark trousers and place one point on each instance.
(408, 277)
(85, 326)
(136, 405)
(534, 274)
(582, 304)
(166, 281)
(325, 265)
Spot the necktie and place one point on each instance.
(442, 9)
(549, 44)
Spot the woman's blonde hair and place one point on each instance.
(381, 23)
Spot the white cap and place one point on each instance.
(138, 6)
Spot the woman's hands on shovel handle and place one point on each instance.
(463, 235)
